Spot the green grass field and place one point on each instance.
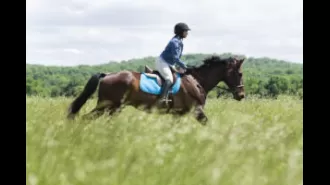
(252, 142)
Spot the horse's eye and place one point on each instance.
(240, 74)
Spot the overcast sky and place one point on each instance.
(72, 32)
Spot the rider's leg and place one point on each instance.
(165, 71)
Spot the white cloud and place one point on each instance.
(65, 32)
(74, 51)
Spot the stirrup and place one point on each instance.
(165, 99)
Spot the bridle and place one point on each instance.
(230, 89)
(226, 89)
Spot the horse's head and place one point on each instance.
(216, 69)
(234, 77)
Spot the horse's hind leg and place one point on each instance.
(117, 107)
(98, 110)
(95, 113)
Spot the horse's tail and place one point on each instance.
(89, 89)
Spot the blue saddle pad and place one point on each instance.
(149, 85)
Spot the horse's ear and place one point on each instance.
(241, 61)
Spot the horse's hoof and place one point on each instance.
(204, 121)
(70, 116)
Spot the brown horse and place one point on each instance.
(142, 89)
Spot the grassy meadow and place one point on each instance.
(252, 142)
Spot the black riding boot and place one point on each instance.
(165, 89)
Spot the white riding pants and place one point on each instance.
(164, 69)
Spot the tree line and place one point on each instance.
(264, 77)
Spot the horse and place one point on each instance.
(142, 89)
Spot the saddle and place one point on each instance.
(155, 74)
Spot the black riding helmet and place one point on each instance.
(179, 28)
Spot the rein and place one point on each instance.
(229, 90)
(222, 88)
(226, 89)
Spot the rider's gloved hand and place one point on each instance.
(181, 70)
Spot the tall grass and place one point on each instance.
(252, 142)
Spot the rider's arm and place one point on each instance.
(175, 48)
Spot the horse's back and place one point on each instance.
(119, 77)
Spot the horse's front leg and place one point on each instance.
(200, 115)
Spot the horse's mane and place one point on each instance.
(211, 60)
(214, 59)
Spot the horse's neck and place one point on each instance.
(202, 76)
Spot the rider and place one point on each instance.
(171, 56)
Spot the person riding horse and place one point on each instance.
(171, 56)
(115, 90)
